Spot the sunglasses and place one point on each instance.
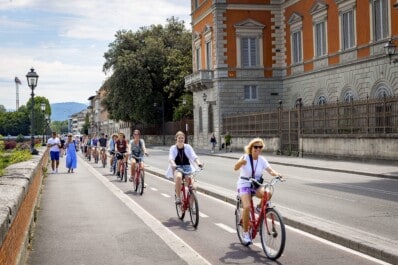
(258, 147)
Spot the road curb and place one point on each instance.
(374, 247)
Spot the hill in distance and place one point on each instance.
(62, 111)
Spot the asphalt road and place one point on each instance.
(215, 239)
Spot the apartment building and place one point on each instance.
(256, 55)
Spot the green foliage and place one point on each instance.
(20, 138)
(8, 158)
(18, 122)
(148, 66)
(60, 127)
(184, 110)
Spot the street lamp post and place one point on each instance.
(162, 109)
(43, 108)
(32, 78)
(47, 126)
(184, 102)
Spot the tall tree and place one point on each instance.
(148, 66)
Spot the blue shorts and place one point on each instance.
(54, 155)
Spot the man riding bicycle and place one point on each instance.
(102, 143)
(112, 149)
(138, 150)
(121, 147)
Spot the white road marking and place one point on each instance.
(154, 189)
(182, 249)
(203, 215)
(165, 195)
(226, 228)
(324, 241)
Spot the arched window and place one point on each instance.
(382, 92)
(348, 97)
(322, 100)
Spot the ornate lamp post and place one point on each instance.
(162, 110)
(32, 78)
(390, 49)
(43, 108)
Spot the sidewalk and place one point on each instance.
(373, 245)
(382, 169)
(83, 219)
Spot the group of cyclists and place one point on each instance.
(182, 158)
(118, 147)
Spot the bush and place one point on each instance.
(10, 144)
(20, 156)
(20, 138)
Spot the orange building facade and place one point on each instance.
(257, 55)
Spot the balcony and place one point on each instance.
(201, 80)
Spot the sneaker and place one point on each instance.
(56, 170)
(131, 179)
(178, 201)
(247, 238)
(53, 171)
(118, 174)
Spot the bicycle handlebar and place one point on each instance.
(271, 183)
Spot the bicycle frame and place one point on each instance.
(254, 223)
(185, 194)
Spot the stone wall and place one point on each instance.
(19, 191)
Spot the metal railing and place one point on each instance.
(375, 117)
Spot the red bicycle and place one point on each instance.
(138, 181)
(269, 222)
(189, 201)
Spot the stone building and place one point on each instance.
(252, 55)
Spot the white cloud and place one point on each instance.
(69, 40)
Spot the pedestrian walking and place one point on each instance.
(54, 143)
(228, 142)
(71, 158)
(213, 142)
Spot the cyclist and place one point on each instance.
(102, 143)
(121, 147)
(112, 148)
(181, 156)
(251, 165)
(138, 150)
(94, 145)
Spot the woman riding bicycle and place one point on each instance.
(251, 165)
(112, 149)
(181, 157)
(138, 150)
(121, 147)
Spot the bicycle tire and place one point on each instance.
(193, 208)
(125, 171)
(180, 209)
(273, 234)
(238, 221)
(104, 162)
(136, 181)
(121, 172)
(141, 185)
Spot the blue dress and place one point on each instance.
(71, 158)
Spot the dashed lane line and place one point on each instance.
(182, 249)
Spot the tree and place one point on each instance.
(39, 115)
(2, 109)
(148, 66)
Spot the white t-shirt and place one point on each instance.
(56, 141)
(259, 166)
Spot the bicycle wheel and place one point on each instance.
(193, 208)
(136, 181)
(273, 234)
(122, 172)
(125, 172)
(180, 209)
(103, 162)
(238, 221)
(114, 166)
(141, 184)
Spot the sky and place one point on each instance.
(65, 42)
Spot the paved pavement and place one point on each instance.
(92, 227)
(82, 221)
